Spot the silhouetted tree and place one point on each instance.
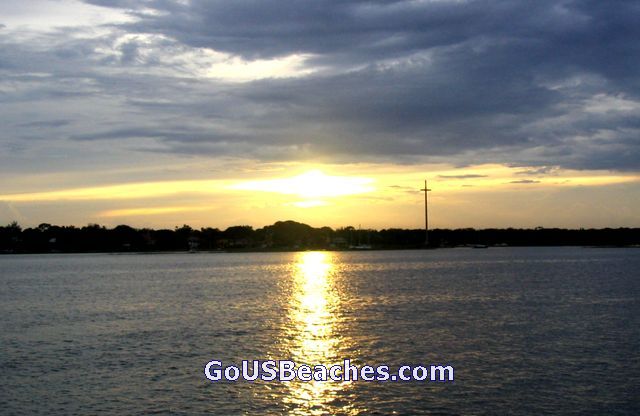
(287, 235)
(239, 236)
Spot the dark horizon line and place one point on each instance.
(422, 229)
(291, 235)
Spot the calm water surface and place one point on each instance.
(529, 331)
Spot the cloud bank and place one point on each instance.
(532, 84)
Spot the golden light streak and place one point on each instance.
(491, 177)
(127, 191)
(126, 212)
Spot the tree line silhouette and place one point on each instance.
(289, 235)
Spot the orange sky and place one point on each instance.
(371, 196)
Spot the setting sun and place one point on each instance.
(311, 185)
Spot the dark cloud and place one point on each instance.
(525, 181)
(528, 84)
(404, 189)
(542, 170)
(469, 176)
(46, 123)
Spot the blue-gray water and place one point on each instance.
(528, 330)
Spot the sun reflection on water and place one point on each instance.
(315, 339)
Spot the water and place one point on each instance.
(528, 331)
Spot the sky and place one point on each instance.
(158, 113)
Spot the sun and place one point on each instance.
(313, 185)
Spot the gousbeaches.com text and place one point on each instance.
(286, 370)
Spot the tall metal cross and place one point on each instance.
(426, 214)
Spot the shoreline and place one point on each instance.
(293, 250)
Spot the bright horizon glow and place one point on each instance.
(314, 185)
(373, 195)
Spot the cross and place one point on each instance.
(426, 214)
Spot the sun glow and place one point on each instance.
(312, 185)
